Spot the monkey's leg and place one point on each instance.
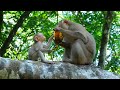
(66, 56)
(87, 53)
(40, 54)
(77, 53)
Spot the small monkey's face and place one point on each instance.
(40, 37)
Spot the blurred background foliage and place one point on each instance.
(45, 21)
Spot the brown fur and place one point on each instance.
(81, 46)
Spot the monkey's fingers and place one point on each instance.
(57, 29)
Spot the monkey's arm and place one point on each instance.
(45, 50)
(40, 54)
(75, 34)
(49, 42)
(39, 47)
(64, 44)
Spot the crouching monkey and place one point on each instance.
(38, 48)
(79, 44)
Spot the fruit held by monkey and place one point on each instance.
(58, 37)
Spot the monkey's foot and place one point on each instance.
(49, 62)
(67, 60)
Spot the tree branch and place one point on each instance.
(13, 32)
(105, 37)
(1, 22)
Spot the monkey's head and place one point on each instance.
(65, 24)
(39, 37)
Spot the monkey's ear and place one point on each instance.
(36, 38)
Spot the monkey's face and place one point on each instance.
(41, 37)
(63, 25)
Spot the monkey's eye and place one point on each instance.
(65, 21)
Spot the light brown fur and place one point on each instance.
(79, 44)
(36, 50)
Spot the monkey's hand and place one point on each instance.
(58, 29)
(57, 42)
(51, 37)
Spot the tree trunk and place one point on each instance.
(1, 22)
(13, 32)
(105, 37)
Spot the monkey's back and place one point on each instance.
(33, 54)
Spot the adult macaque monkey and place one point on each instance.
(79, 44)
(38, 48)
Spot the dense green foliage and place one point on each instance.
(45, 21)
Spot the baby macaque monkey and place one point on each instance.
(38, 48)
